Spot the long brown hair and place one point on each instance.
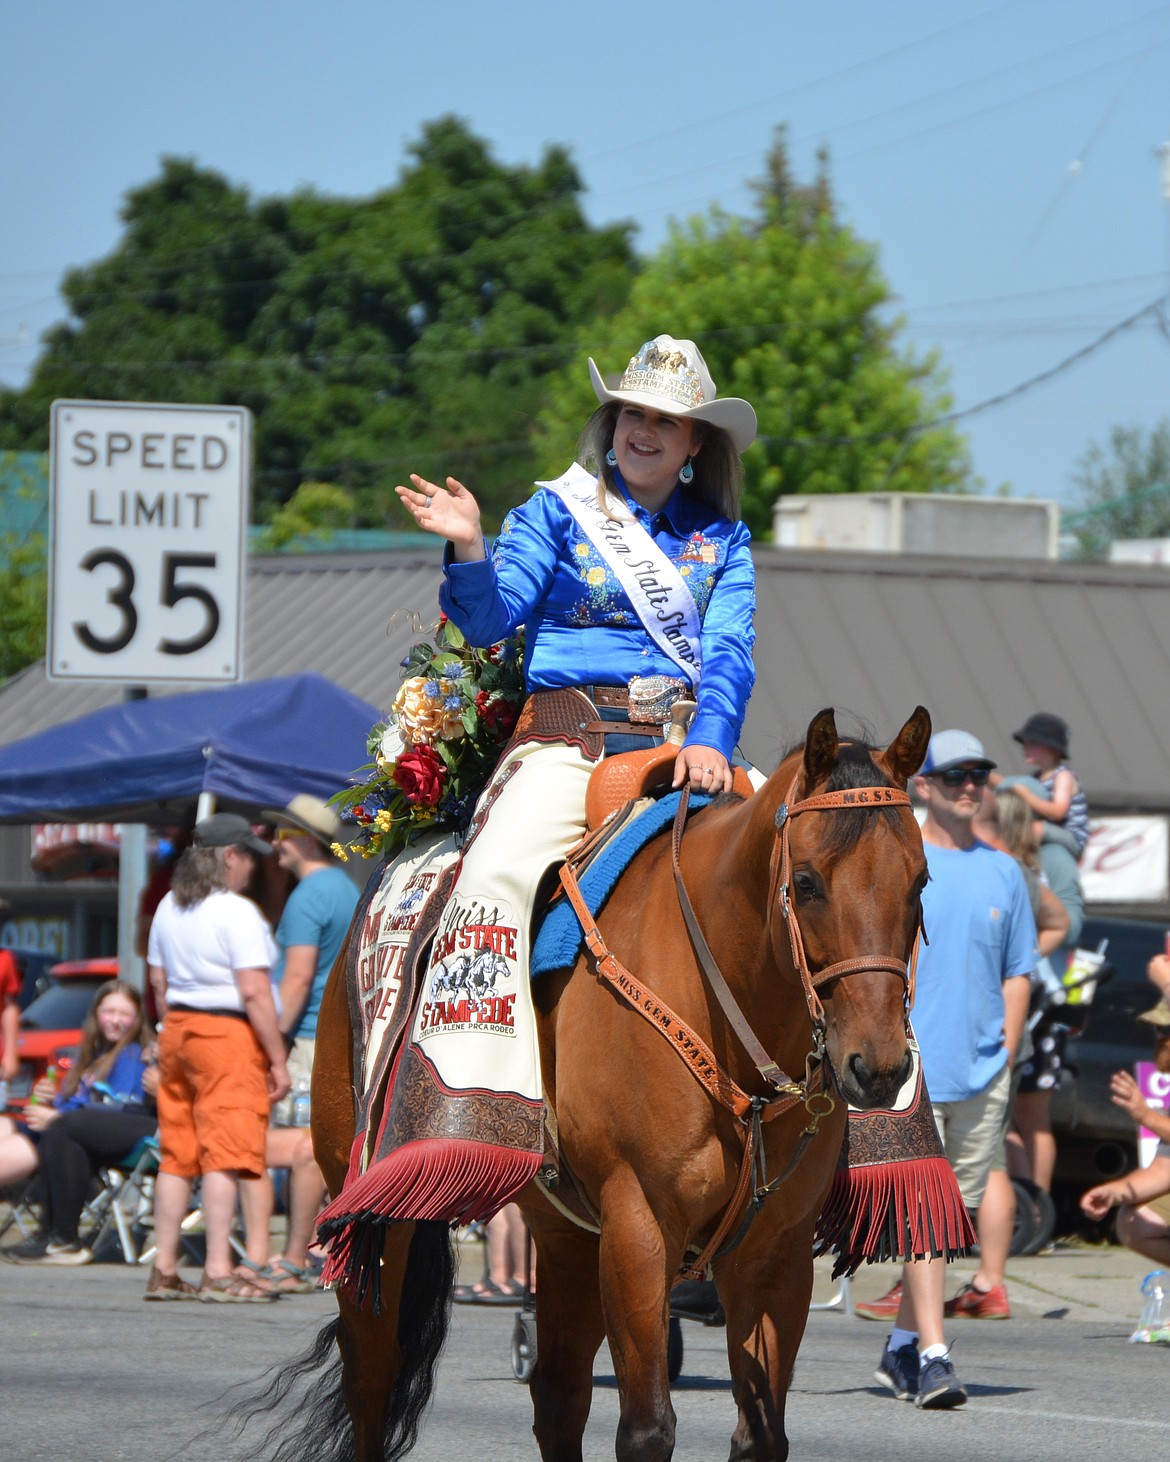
(1015, 827)
(718, 479)
(95, 1057)
(199, 872)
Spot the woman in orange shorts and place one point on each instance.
(221, 1055)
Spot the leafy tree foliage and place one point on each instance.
(23, 575)
(1124, 489)
(787, 310)
(442, 326)
(414, 329)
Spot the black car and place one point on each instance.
(1095, 1140)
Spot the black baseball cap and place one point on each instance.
(228, 830)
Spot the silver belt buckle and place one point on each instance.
(652, 696)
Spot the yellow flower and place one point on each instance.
(582, 550)
(595, 576)
(383, 819)
(339, 852)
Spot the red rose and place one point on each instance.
(420, 775)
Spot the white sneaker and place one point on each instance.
(71, 1254)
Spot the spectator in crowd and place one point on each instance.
(107, 1074)
(1055, 795)
(311, 930)
(1031, 1141)
(508, 1245)
(971, 1004)
(1142, 1197)
(1158, 971)
(1005, 823)
(9, 1011)
(221, 1054)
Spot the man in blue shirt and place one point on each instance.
(312, 929)
(973, 985)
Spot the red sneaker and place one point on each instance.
(973, 1304)
(885, 1307)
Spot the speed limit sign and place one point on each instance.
(147, 532)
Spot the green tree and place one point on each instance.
(1124, 489)
(313, 511)
(414, 329)
(787, 309)
(23, 567)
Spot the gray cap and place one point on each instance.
(228, 830)
(954, 749)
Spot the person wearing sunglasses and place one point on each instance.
(973, 984)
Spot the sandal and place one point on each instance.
(162, 1286)
(295, 1280)
(482, 1292)
(232, 1289)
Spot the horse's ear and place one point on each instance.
(820, 746)
(906, 753)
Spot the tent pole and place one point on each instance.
(131, 882)
(205, 806)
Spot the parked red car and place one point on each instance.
(50, 1026)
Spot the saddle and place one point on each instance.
(622, 779)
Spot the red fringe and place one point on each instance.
(893, 1211)
(445, 1179)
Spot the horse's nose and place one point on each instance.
(881, 1085)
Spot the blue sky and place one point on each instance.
(1001, 156)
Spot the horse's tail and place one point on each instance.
(306, 1398)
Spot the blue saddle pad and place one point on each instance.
(560, 936)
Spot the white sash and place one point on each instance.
(653, 585)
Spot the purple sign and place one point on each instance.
(1154, 1086)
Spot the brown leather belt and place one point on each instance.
(613, 697)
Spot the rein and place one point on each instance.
(750, 1111)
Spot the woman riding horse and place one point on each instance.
(635, 587)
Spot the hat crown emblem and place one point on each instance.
(664, 367)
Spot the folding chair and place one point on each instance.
(24, 1210)
(125, 1202)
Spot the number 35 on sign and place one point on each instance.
(147, 533)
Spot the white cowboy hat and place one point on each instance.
(671, 376)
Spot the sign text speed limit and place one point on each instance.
(149, 513)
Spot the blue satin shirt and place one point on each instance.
(580, 627)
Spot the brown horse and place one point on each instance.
(658, 1159)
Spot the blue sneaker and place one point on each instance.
(898, 1371)
(938, 1386)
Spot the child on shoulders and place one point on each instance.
(1054, 795)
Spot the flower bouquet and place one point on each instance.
(433, 754)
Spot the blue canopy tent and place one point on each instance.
(252, 745)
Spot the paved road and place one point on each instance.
(87, 1371)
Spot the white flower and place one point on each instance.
(392, 745)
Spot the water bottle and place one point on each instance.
(301, 1104)
(1154, 1326)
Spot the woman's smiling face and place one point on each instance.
(651, 450)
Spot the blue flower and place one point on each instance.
(431, 690)
(453, 703)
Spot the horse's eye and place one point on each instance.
(805, 883)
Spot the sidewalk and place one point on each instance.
(1095, 1283)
